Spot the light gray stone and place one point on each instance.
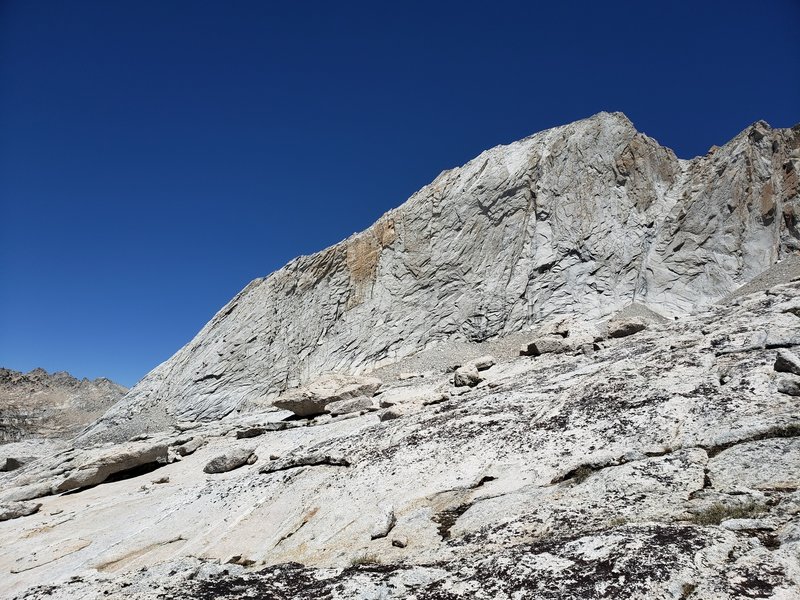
(385, 524)
(625, 327)
(484, 362)
(546, 345)
(191, 446)
(233, 459)
(314, 398)
(351, 405)
(467, 375)
(95, 468)
(15, 510)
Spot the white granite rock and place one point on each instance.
(638, 471)
(330, 389)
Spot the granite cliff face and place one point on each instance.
(588, 218)
(39, 404)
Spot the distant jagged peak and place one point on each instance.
(40, 376)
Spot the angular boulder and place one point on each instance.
(484, 362)
(97, 465)
(311, 400)
(351, 405)
(14, 510)
(9, 464)
(546, 345)
(191, 446)
(787, 362)
(384, 525)
(789, 385)
(233, 459)
(619, 328)
(467, 375)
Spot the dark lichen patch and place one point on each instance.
(687, 589)
(578, 475)
(787, 430)
(282, 582)
(445, 519)
(633, 561)
(627, 570)
(757, 581)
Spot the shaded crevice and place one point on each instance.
(290, 534)
(782, 431)
(306, 461)
(483, 480)
(585, 470)
(132, 473)
(766, 345)
(446, 518)
(214, 376)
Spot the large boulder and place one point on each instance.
(467, 375)
(14, 510)
(230, 460)
(618, 328)
(424, 393)
(789, 385)
(350, 405)
(484, 362)
(10, 464)
(787, 362)
(97, 465)
(546, 345)
(312, 399)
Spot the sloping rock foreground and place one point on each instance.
(582, 219)
(57, 405)
(660, 465)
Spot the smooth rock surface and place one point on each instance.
(663, 465)
(637, 472)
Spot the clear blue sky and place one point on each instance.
(155, 156)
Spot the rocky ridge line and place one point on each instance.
(57, 405)
(587, 218)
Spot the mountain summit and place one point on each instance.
(589, 218)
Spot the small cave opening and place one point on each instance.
(131, 473)
(138, 471)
